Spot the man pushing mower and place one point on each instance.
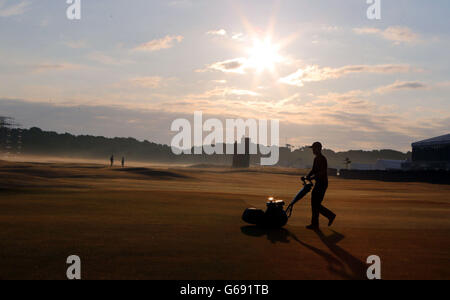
(319, 173)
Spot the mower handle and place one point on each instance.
(307, 183)
(305, 180)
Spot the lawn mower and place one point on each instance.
(275, 216)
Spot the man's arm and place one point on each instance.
(311, 175)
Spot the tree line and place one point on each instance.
(35, 141)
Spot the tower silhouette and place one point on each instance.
(242, 160)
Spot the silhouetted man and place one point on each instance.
(112, 160)
(123, 161)
(319, 173)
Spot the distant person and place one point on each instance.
(112, 160)
(319, 173)
(123, 161)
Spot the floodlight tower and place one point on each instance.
(10, 130)
(347, 162)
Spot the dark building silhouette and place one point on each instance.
(242, 160)
(432, 153)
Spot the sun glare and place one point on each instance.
(264, 55)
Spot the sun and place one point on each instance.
(264, 55)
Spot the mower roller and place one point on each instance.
(275, 216)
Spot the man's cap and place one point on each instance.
(316, 145)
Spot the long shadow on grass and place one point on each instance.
(338, 261)
(155, 174)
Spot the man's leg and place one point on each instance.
(316, 201)
(325, 211)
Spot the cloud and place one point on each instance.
(236, 65)
(76, 44)
(238, 92)
(220, 81)
(315, 73)
(400, 34)
(367, 30)
(223, 92)
(401, 86)
(351, 120)
(238, 36)
(47, 67)
(235, 36)
(443, 84)
(330, 28)
(342, 121)
(180, 3)
(18, 8)
(220, 32)
(152, 82)
(397, 34)
(354, 98)
(104, 59)
(166, 42)
(293, 100)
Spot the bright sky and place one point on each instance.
(327, 72)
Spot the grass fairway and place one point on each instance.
(185, 223)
